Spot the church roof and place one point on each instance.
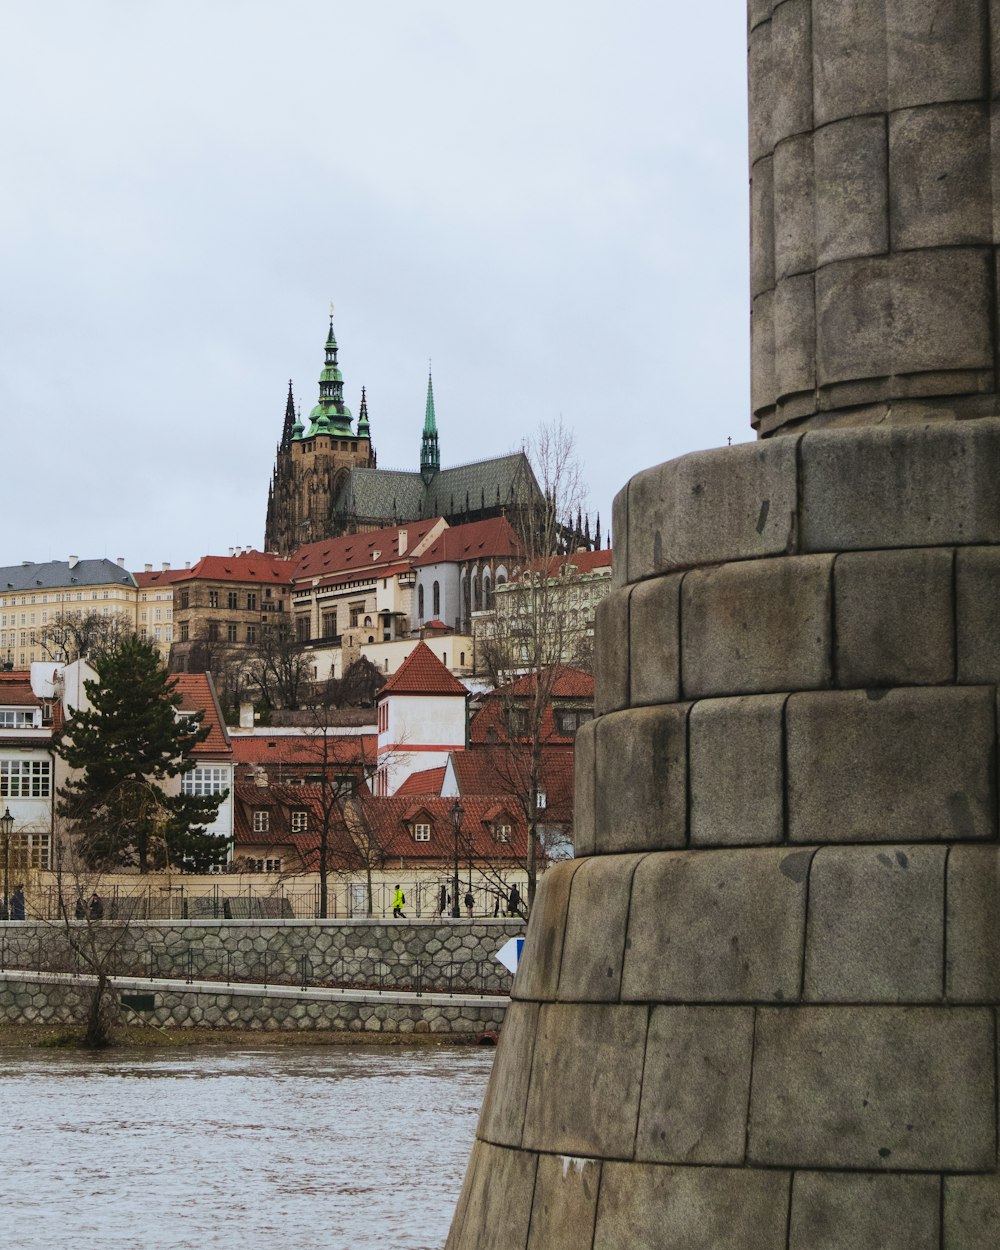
(422, 673)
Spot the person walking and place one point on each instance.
(514, 902)
(17, 903)
(398, 899)
(445, 899)
(470, 902)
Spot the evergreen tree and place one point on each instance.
(122, 750)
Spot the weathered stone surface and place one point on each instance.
(654, 641)
(876, 924)
(755, 627)
(840, 1211)
(934, 51)
(584, 795)
(585, 1080)
(848, 64)
(652, 1207)
(853, 320)
(794, 208)
(495, 1200)
(908, 1088)
(791, 56)
(901, 487)
(762, 224)
(920, 764)
(763, 91)
(695, 1085)
(941, 310)
(538, 972)
(591, 970)
(642, 753)
(611, 652)
(619, 535)
(977, 610)
(565, 1206)
(973, 943)
(723, 925)
(736, 761)
(939, 172)
(733, 503)
(971, 1212)
(852, 211)
(881, 639)
(501, 1120)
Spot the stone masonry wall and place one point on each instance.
(759, 1012)
(458, 952)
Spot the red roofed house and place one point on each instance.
(306, 758)
(29, 714)
(422, 717)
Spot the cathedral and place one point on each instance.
(326, 482)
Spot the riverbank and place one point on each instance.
(47, 1037)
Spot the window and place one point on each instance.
(501, 833)
(17, 719)
(356, 610)
(25, 779)
(436, 592)
(540, 800)
(569, 720)
(30, 850)
(213, 631)
(185, 599)
(300, 822)
(263, 865)
(251, 633)
(421, 833)
(213, 598)
(205, 780)
(231, 601)
(252, 601)
(420, 602)
(329, 624)
(302, 628)
(184, 631)
(261, 821)
(230, 633)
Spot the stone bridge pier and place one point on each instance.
(758, 1011)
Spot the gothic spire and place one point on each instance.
(286, 430)
(331, 415)
(363, 427)
(430, 456)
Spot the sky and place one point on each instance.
(547, 200)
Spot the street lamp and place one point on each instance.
(457, 812)
(7, 825)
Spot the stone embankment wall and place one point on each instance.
(457, 953)
(39, 1001)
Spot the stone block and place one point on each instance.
(977, 610)
(794, 207)
(584, 765)
(762, 393)
(853, 321)
(940, 175)
(852, 194)
(736, 761)
(501, 1120)
(594, 943)
(641, 779)
(911, 764)
(654, 641)
(941, 301)
(651, 1207)
(906, 486)
(565, 1206)
(971, 1212)
(881, 639)
(840, 1211)
(795, 336)
(848, 59)
(763, 91)
(873, 1088)
(762, 226)
(717, 926)
(696, 1085)
(611, 652)
(733, 503)
(791, 61)
(538, 972)
(495, 1203)
(973, 945)
(875, 931)
(586, 1077)
(757, 627)
(935, 52)
(619, 537)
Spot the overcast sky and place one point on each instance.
(549, 199)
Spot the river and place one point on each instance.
(309, 1148)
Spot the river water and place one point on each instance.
(316, 1148)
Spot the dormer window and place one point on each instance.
(501, 832)
(261, 821)
(300, 821)
(421, 832)
(540, 800)
(17, 718)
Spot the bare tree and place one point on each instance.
(72, 635)
(280, 669)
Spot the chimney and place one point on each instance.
(403, 538)
(231, 550)
(148, 568)
(166, 565)
(246, 716)
(187, 564)
(74, 561)
(121, 562)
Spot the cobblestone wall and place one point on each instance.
(460, 952)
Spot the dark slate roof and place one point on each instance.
(394, 494)
(55, 573)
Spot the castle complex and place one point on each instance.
(326, 483)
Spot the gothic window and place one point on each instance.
(436, 590)
(420, 602)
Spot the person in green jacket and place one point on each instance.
(398, 899)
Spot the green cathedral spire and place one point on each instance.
(364, 430)
(430, 456)
(331, 415)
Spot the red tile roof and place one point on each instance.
(571, 686)
(251, 566)
(427, 782)
(501, 770)
(353, 552)
(476, 540)
(422, 673)
(197, 691)
(581, 561)
(16, 691)
(304, 749)
(567, 683)
(162, 577)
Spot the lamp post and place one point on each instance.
(457, 812)
(7, 825)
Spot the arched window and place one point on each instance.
(487, 591)
(474, 592)
(420, 602)
(437, 599)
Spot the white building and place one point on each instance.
(422, 717)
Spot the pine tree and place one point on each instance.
(123, 748)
